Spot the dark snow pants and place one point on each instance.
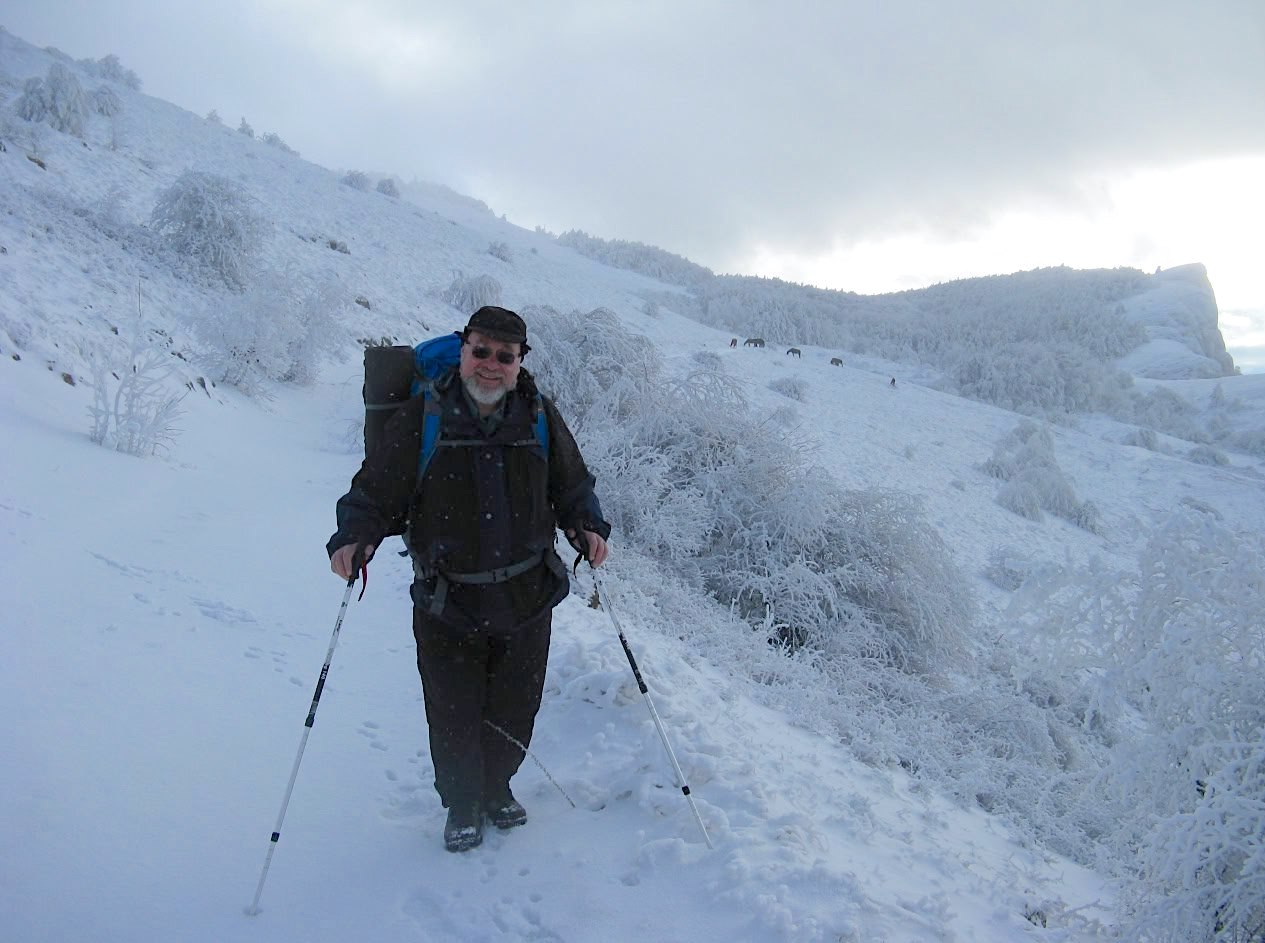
(468, 678)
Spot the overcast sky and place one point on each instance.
(868, 146)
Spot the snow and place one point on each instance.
(167, 618)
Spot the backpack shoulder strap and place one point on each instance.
(542, 425)
(431, 410)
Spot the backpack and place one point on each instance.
(394, 375)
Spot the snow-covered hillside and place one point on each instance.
(167, 617)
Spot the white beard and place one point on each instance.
(481, 396)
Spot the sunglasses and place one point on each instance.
(502, 356)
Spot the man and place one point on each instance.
(480, 527)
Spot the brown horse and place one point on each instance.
(734, 342)
(793, 351)
(753, 342)
(836, 362)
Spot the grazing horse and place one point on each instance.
(734, 342)
(793, 350)
(836, 362)
(753, 342)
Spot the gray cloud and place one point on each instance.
(707, 127)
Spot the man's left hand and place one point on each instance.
(597, 548)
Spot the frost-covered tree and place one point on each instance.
(356, 179)
(109, 67)
(213, 224)
(57, 100)
(213, 117)
(246, 129)
(388, 187)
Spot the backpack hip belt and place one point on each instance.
(482, 577)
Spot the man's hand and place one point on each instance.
(597, 549)
(343, 558)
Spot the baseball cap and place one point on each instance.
(500, 324)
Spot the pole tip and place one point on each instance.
(251, 911)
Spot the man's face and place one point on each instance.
(487, 379)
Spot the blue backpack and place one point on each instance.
(394, 375)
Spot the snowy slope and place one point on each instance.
(167, 619)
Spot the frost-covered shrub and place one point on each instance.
(1164, 410)
(790, 387)
(1034, 482)
(708, 360)
(388, 187)
(213, 224)
(1251, 441)
(280, 330)
(1207, 455)
(356, 179)
(272, 139)
(106, 101)
(1007, 568)
(133, 408)
(1143, 439)
(213, 117)
(500, 250)
(246, 129)
(1187, 792)
(729, 499)
(1020, 497)
(468, 295)
(57, 100)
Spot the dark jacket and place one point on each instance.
(487, 501)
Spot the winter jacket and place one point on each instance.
(487, 501)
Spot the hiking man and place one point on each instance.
(479, 525)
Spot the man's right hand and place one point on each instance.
(342, 560)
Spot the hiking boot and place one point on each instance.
(506, 812)
(464, 828)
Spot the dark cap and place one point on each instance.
(500, 324)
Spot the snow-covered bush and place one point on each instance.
(790, 387)
(1162, 409)
(272, 139)
(729, 498)
(1008, 568)
(1191, 786)
(106, 101)
(356, 179)
(133, 409)
(246, 129)
(1207, 455)
(1143, 439)
(57, 100)
(388, 187)
(279, 330)
(468, 295)
(213, 224)
(1034, 482)
(499, 250)
(213, 117)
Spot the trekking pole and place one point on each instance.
(603, 597)
(253, 909)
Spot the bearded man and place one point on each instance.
(480, 523)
